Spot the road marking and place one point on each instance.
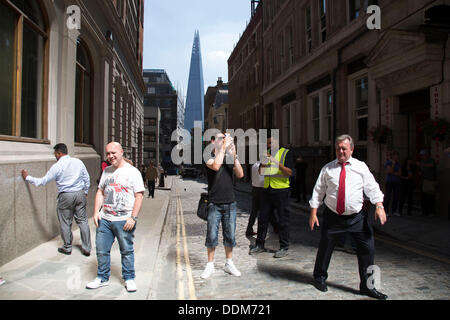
(186, 255)
(181, 228)
(179, 267)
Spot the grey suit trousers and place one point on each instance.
(72, 205)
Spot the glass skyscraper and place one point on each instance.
(194, 99)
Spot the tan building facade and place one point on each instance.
(324, 73)
(75, 76)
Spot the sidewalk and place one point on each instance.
(425, 233)
(43, 273)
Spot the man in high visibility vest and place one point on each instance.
(276, 168)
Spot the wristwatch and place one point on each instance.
(134, 218)
(379, 207)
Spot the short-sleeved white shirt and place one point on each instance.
(119, 187)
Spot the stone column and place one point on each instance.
(65, 131)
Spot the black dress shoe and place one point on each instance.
(320, 285)
(85, 253)
(61, 250)
(373, 293)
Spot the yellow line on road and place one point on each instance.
(179, 267)
(181, 230)
(186, 255)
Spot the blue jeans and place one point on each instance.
(227, 214)
(107, 231)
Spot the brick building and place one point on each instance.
(324, 73)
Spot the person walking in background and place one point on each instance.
(120, 194)
(300, 167)
(343, 183)
(393, 169)
(277, 170)
(408, 183)
(222, 202)
(162, 175)
(73, 182)
(429, 183)
(151, 175)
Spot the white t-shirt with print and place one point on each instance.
(119, 186)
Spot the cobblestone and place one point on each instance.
(404, 274)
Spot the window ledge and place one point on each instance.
(24, 139)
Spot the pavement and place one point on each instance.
(429, 235)
(44, 274)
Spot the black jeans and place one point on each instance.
(272, 199)
(361, 232)
(406, 195)
(151, 188)
(256, 199)
(301, 188)
(428, 204)
(392, 191)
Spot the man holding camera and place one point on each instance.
(222, 204)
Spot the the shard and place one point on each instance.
(194, 99)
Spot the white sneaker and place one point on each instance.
(2, 281)
(209, 270)
(231, 269)
(97, 283)
(130, 285)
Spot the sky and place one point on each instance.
(169, 28)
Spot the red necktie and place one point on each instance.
(340, 207)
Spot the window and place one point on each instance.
(287, 125)
(329, 109)
(308, 31)
(358, 7)
(362, 107)
(291, 45)
(151, 90)
(282, 53)
(23, 35)
(354, 8)
(83, 93)
(316, 118)
(323, 20)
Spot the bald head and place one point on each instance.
(114, 153)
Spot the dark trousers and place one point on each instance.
(301, 188)
(428, 204)
(360, 231)
(406, 195)
(256, 199)
(151, 188)
(392, 192)
(272, 199)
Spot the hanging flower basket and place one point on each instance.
(381, 134)
(437, 130)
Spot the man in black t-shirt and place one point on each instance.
(222, 204)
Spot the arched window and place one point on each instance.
(23, 36)
(83, 96)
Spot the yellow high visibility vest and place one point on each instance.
(273, 176)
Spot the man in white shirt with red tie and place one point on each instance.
(344, 182)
